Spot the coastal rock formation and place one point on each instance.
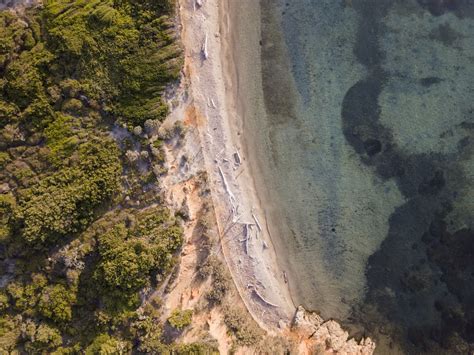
(312, 329)
(306, 323)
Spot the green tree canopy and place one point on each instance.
(104, 344)
(64, 202)
(55, 303)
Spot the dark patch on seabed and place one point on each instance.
(420, 283)
(276, 79)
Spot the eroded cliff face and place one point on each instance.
(320, 336)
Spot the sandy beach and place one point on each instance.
(243, 227)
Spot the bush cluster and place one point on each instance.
(77, 259)
(221, 280)
(180, 319)
(243, 328)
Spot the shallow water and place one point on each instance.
(370, 117)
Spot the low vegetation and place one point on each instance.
(180, 319)
(244, 330)
(83, 233)
(220, 279)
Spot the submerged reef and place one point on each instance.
(420, 283)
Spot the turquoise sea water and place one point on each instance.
(372, 138)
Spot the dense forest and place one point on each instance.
(84, 236)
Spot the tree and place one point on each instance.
(44, 338)
(7, 207)
(104, 344)
(55, 303)
(9, 334)
(125, 264)
(64, 202)
(3, 302)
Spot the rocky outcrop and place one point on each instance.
(329, 335)
(13, 4)
(4, 188)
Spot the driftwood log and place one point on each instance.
(257, 222)
(204, 51)
(254, 289)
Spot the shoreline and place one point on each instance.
(256, 138)
(242, 53)
(247, 231)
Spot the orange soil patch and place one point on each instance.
(192, 117)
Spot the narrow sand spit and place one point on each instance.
(246, 243)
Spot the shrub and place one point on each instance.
(128, 256)
(127, 261)
(120, 49)
(38, 113)
(196, 349)
(4, 159)
(8, 113)
(70, 87)
(180, 319)
(24, 298)
(148, 330)
(66, 70)
(125, 264)
(70, 350)
(221, 281)
(61, 139)
(3, 302)
(104, 344)
(179, 130)
(7, 208)
(24, 79)
(242, 327)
